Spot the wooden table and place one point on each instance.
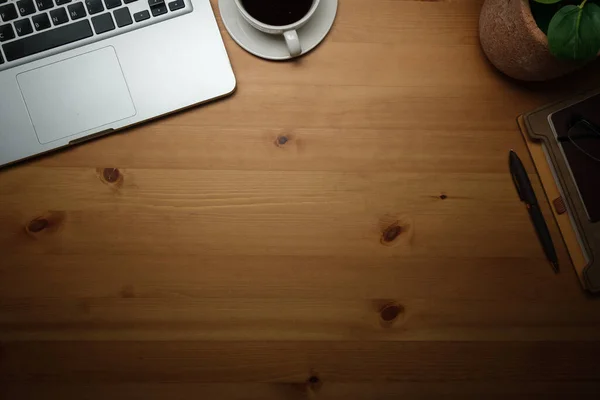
(343, 227)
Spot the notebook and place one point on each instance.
(581, 147)
(562, 142)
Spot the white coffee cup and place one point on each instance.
(289, 32)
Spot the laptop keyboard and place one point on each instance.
(33, 29)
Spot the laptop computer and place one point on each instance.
(73, 70)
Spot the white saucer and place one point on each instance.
(272, 47)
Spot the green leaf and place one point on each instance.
(574, 32)
(547, 1)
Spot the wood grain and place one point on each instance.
(300, 390)
(200, 256)
(290, 361)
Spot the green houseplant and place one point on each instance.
(572, 27)
(538, 40)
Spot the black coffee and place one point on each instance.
(277, 12)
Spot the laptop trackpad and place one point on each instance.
(76, 95)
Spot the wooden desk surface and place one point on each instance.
(197, 256)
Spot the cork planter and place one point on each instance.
(515, 45)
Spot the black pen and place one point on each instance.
(527, 195)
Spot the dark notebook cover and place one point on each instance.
(586, 170)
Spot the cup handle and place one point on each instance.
(293, 43)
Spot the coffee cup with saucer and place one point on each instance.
(275, 42)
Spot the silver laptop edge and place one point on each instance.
(127, 77)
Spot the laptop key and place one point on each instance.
(23, 27)
(159, 10)
(123, 17)
(59, 16)
(76, 11)
(6, 32)
(44, 4)
(141, 16)
(128, 1)
(112, 4)
(26, 7)
(103, 23)
(153, 3)
(94, 6)
(8, 12)
(41, 22)
(62, 2)
(176, 5)
(51, 39)
(1, 59)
